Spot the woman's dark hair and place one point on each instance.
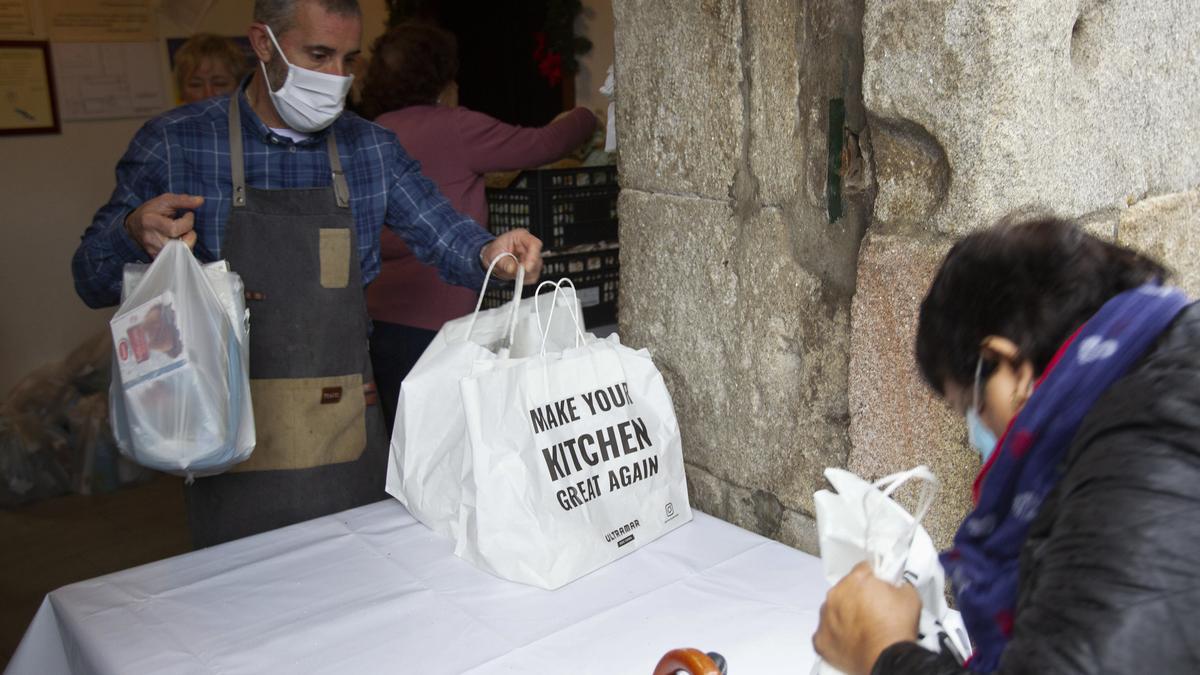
(410, 65)
(1034, 279)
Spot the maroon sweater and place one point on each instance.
(455, 147)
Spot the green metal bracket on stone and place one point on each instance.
(833, 162)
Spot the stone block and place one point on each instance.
(895, 421)
(801, 59)
(912, 174)
(799, 530)
(777, 142)
(1168, 229)
(754, 509)
(706, 492)
(679, 114)
(754, 353)
(1075, 105)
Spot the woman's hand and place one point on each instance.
(862, 616)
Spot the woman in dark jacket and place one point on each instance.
(1082, 554)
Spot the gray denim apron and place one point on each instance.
(321, 446)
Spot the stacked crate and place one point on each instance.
(574, 213)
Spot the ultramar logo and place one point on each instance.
(622, 530)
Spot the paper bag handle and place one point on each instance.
(515, 303)
(537, 307)
(580, 338)
(888, 485)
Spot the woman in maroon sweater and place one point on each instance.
(410, 88)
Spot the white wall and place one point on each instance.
(50, 186)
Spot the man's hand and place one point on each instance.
(862, 616)
(520, 243)
(155, 222)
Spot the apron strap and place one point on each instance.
(235, 152)
(340, 188)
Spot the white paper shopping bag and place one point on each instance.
(429, 438)
(575, 461)
(860, 521)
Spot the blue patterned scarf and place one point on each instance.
(983, 565)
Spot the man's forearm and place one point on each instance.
(99, 262)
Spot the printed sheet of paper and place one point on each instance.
(25, 102)
(107, 81)
(148, 341)
(16, 19)
(100, 20)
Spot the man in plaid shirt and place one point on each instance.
(293, 193)
(174, 182)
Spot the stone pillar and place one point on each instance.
(733, 274)
(794, 170)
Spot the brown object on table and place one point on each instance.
(693, 661)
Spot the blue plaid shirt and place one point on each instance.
(186, 150)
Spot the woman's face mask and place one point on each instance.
(309, 100)
(980, 436)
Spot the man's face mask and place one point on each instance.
(308, 101)
(979, 435)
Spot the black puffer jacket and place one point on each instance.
(1110, 575)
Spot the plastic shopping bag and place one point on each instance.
(860, 521)
(575, 460)
(180, 393)
(429, 439)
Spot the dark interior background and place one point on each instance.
(498, 73)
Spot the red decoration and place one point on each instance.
(550, 62)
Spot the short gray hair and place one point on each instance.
(281, 14)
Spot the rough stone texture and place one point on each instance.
(1079, 105)
(787, 348)
(1102, 224)
(754, 358)
(797, 57)
(1167, 228)
(799, 530)
(912, 174)
(679, 114)
(705, 491)
(777, 148)
(895, 421)
(732, 274)
(753, 509)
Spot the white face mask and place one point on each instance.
(980, 437)
(308, 101)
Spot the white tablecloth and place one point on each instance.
(372, 590)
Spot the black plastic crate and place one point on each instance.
(562, 207)
(596, 273)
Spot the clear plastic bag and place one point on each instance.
(180, 395)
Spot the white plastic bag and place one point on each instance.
(575, 460)
(429, 439)
(860, 521)
(180, 393)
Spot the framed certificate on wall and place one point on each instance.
(27, 103)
